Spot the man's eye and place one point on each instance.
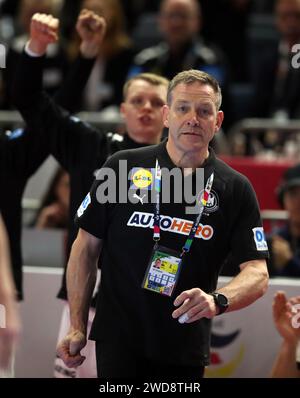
(136, 101)
(182, 108)
(205, 112)
(157, 104)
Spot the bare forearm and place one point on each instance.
(250, 284)
(36, 47)
(81, 278)
(7, 290)
(285, 363)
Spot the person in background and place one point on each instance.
(182, 48)
(286, 316)
(104, 86)
(22, 151)
(9, 316)
(277, 83)
(284, 242)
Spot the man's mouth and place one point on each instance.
(145, 119)
(192, 133)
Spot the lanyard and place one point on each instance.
(203, 203)
(157, 186)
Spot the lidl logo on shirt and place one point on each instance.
(170, 224)
(259, 238)
(84, 205)
(141, 178)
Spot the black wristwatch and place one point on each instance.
(221, 302)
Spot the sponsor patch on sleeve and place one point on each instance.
(86, 201)
(259, 238)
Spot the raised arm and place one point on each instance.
(91, 29)
(63, 135)
(81, 279)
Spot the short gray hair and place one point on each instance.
(192, 76)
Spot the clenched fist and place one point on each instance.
(91, 29)
(43, 31)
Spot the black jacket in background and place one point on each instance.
(77, 146)
(266, 101)
(21, 153)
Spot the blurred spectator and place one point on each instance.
(287, 364)
(9, 317)
(284, 243)
(104, 87)
(278, 83)
(54, 209)
(56, 62)
(180, 21)
(133, 9)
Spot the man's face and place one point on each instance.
(179, 20)
(192, 117)
(288, 18)
(142, 111)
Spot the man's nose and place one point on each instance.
(193, 120)
(147, 104)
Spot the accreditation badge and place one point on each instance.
(163, 271)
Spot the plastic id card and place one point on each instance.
(163, 271)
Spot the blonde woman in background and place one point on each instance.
(105, 85)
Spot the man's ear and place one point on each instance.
(165, 113)
(220, 118)
(122, 109)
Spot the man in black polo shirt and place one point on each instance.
(159, 325)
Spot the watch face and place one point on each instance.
(222, 300)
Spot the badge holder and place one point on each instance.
(164, 266)
(163, 270)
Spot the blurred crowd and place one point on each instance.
(247, 45)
